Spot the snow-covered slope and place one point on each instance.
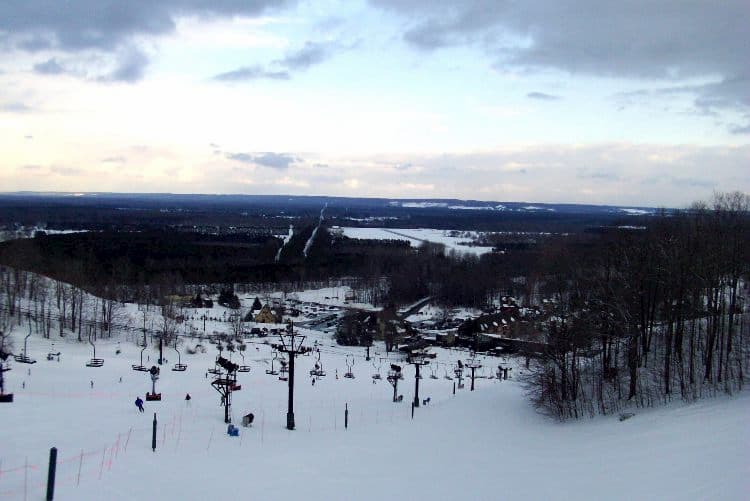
(488, 444)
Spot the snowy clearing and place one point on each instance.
(416, 237)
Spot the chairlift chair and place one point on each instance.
(140, 367)
(349, 374)
(179, 366)
(272, 371)
(24, 358)
(376, 376)
(94, 362)
(284, 371)
(243, 367)
(317, 370)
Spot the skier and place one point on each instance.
(187, 399)
(139, 403)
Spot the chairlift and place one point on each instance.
(447, 376)
(432, 372)
(215, 370)
(272, 371)
(24, 358)
(376, 376)
(179, 366)
(349, 374)
(94, 362)
(284, 370)
(140, 367)
(317, 370)
(243, 367)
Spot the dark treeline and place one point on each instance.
(638, 318)
(630, 315)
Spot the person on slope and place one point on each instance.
(139, 403)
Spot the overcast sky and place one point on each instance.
(630, 102)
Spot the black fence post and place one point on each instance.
(412, 410)
(454, 387)
(51, 473)
(153, 435)
(346, 416)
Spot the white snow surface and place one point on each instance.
(285, 240)
(485, 445)
(415, 237)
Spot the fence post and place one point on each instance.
(346, 416)
(153, 435)
(51, 473)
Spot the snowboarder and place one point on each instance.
(139, 403)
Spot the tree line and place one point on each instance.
(642, 317)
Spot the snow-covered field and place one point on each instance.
(415, 236)
(488, 444)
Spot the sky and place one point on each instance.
(634, 102)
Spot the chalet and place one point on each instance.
(268, 316)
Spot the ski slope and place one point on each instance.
(487, 444)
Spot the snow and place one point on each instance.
(636, 212)
(310, 240)
(286, 240)
(423, 205)
(487, 444)
(416, 236)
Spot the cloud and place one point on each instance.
(670, 40)
(119, 159)
(66, 171)
(251, 73)
(15, 107)
(130, 67)
(267, 159)
(49, 67)
(740, 129)
(541, 96)
(111, 27)
(598, 174)
(108, 24)
(311, 54)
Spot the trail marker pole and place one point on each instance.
(51, 473)
(153, 434)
